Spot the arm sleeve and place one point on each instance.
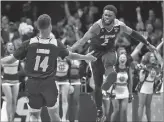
(21, 52)
(63, 51)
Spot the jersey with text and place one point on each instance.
(105, 40)
(41, 56)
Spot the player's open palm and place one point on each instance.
(90, 57)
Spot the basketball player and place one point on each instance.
(102, 35)
(40, 66)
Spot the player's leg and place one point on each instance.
(50, 94)
(34, 114)
(53, 113)
(15, 91)
(97, 69)
(109, 60)
(7, 92)
(35, 99)
(64, 96)
(115, 103)
(148, 107)
(123, 110)
(142, 100)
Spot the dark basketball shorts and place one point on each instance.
(103, 65)
(41, 92)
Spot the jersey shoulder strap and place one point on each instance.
(36, 39)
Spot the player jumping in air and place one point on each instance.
(102, 35)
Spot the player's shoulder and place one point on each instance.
(51, 40)
(118, 23)
(99, 23)
(96, 26)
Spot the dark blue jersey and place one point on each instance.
(41, 56)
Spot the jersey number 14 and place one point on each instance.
(41, 64)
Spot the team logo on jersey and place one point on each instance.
(107, 36)
(116, 29)
(102, 30)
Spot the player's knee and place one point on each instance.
(53, 109)
(53, 106)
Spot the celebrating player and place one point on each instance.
(102, 35)
(41, 54)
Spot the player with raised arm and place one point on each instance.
(102, 35)
(41, 54)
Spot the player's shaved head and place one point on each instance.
(44, 21)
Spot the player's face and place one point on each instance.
(108, 16)
(122, 59)
(10, 48)
(152, 58)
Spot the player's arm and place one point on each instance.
(19, 54)
(137, 50)
(64, 53)
(76, 56)
(92, 32)
(135, 35)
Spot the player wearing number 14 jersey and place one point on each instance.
(102, 36)
(41, 62)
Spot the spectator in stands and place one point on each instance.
(140, 24)
(88, 16)
(5, 29)
(157, 31)
(29, 21)
(151, 17)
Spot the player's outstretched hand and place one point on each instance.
(69, 48)
(90, 57)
